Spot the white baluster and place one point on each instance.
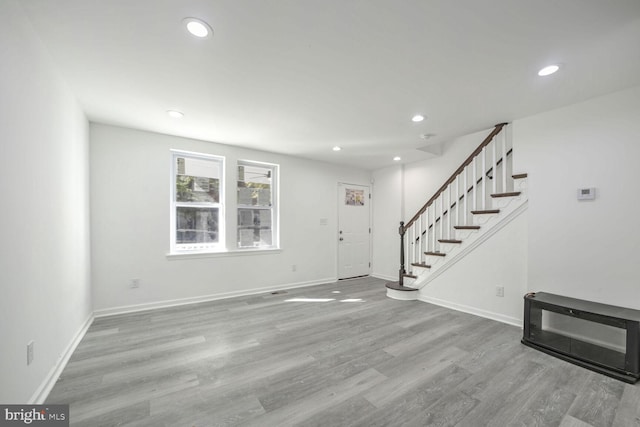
(409, 247)
(416, 248)
(475, 184)
(425, 236)
(433, 226)
(413, 246)
(426, 229)
(406, 249)
(442, 209)
(484, 177)
(504, 160)
(408, 266)
(457, 221)
(441, 198)
(449, 212)
(423, 233)
(494, 174)
(464, 194)
(419, 242)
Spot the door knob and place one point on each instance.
(341, 239)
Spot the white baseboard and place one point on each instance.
(43, 391)
(194, 300)
(514, 321)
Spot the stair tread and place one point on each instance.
(420, 264)
(435, 254)
(519, 176)
(410, 276)
(466, 227)
(449, 241)
(510, 194)
(487, 211)
(396, 287)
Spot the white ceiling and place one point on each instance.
(300, 76)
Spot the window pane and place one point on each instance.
(197, 189)
(254, 185)
(254, 227)
(196, 225)
(207, 168)
(197, 180)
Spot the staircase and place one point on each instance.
(477, 200)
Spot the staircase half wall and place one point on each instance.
(498, 266)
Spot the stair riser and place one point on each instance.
(433, 260)
(464, 234)
(484, 219)
(401, 295)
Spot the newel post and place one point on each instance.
(401, 230)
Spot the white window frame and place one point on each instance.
(274, 208)
(176, 248)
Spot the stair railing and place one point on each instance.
(449, 207)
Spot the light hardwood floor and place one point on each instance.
(345, 356)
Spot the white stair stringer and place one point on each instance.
(510, 208)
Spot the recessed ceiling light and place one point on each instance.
(175, 114)
(397, 158)
(549, 69)
(336, 148)
(417, 118)
(198, 27)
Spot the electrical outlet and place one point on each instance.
(500, 291)
(294, 267)
(134, 283)
(29, 352)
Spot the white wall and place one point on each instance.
(387, 214)
(130, 223)
(44, 268)
(585, 249)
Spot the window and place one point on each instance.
(257, 205)
(197, 208)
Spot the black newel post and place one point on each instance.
(401, 230)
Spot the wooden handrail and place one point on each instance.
(496, 130)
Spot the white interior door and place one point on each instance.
(354, 232)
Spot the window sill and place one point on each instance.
(219, 254)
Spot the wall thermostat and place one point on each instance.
(586, 193)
